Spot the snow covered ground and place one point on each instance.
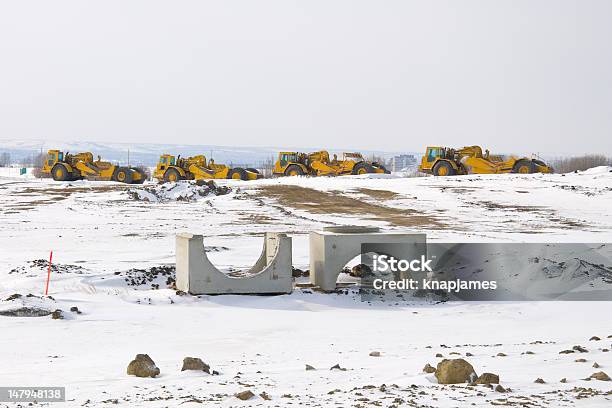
(113, 250)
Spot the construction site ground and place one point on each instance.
(113, 255)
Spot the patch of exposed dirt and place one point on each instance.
(379, 194)
(568, 223)
(549, 214)
(490, 205)
(320, 202)
(587, 191)
(456, 190)
(30, 205)
(68, 190)
(257, 219)
(51, 194)
(278, 207)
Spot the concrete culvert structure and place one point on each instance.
(332, 248)
(271, 274)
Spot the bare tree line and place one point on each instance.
(579, 163)
(35, 159)
(5, 159)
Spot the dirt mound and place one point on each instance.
(180, 191)
(43, 265)
(19, 305)
(25, 312)
(157, 277)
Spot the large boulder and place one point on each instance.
(488, 378)
(601, 376)
(361, 270)
(143, 366)
(244, 395)
(455, 371)
(57, 314)
(195, 364)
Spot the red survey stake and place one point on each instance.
(48, 273)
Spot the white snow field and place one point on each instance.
(113, 255)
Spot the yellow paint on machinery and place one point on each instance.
(70, 167)
(320, 164)
(445, 161)
(171, 168)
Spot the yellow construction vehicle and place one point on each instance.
(319, 164)
(70, 167)
(171, 168)
(355, 163)
(445, 161)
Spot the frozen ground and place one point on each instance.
(114, 248)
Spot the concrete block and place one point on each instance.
(332, 248)
(271, 273)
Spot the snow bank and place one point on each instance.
(597, 170)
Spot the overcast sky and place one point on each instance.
(514, 76)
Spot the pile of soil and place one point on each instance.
(187, 191)
(157, 277)
(25, 312)
(43, 265)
